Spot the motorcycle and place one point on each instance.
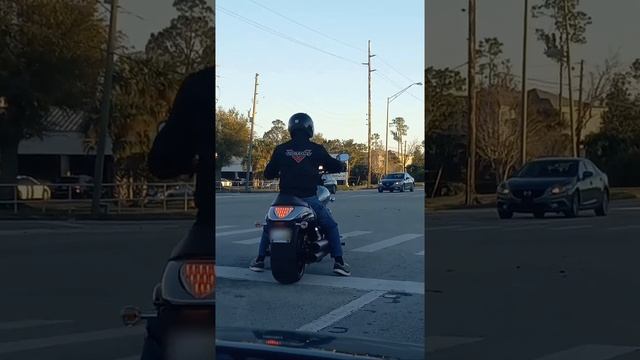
(184, 314)
(296, 238)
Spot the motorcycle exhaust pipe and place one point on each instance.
(320, 255)
(320, 245)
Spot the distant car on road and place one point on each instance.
(330, 183)
(561, 185)
(80, 186)
(223, 183)
(396, 181)
(32, 189)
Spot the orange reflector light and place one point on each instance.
(273, 342)
(198, 278)
(282, 211)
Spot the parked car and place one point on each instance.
(80, 186)
(561, 185)
(223, 183)
(330, 183)
(397, 181)
(32, 189)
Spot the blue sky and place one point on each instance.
(331, 88)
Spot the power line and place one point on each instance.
(307, 27)
(282, 35)
(329, 37)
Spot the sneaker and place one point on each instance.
(342, 269)
(257, 265)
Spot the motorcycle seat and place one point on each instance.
(284, 199)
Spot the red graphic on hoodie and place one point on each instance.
(298, 156)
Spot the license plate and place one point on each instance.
(280, 236)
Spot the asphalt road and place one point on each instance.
(384, 298)
(64, 284)
(548, 289)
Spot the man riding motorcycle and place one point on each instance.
(296, 162)
(184, 146)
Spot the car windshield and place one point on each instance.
(394, 177)
(549, 168)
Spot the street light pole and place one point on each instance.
(523, 107)
(386, 145)
(104, 113)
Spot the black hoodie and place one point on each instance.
(189, 133)
(296, 163)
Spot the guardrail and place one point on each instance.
(115, 198)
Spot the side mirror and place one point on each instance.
(343, 157)
(587, 174)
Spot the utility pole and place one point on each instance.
(523, 108)
(580, 107)
(386, 143)
(104, 111)
(471, 78)
(568, 48)
(369, 70)
(252, 119)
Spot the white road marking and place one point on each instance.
(628, 208)
(60, 223)
(224, 226)
(366, 284)
(248, 241)
(351, 234)
(234, 232)
(421, 253)
(472, 228)
(39, 343)
(341, 312)
(23, 324)
(591, 352)
(434, 228)
(387, 243)
(624, 227)
(571, 227)
(528, 227)
(435, 343)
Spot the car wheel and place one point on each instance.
(538, 214)
(603, 208)
(379, 190)
(390, 190)
(411, 188)
(575, 206)
(505, 214)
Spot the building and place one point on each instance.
(62, 150)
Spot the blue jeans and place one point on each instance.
(326, 222)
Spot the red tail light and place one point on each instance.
(198, 278)
(273, 342)
(282, 211)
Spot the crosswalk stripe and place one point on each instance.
(354, 234)
(356, 283)
(39, 343)
(572, 227)
(224, 227)
(341, 312)
(23, 324)
(591, 352)
(472, 228)
(248, 241)
(387, 243)
(234, 232)
(624, 227)
(435, 343)
(421, 253)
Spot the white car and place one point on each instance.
(330, 183)
(31, 189)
